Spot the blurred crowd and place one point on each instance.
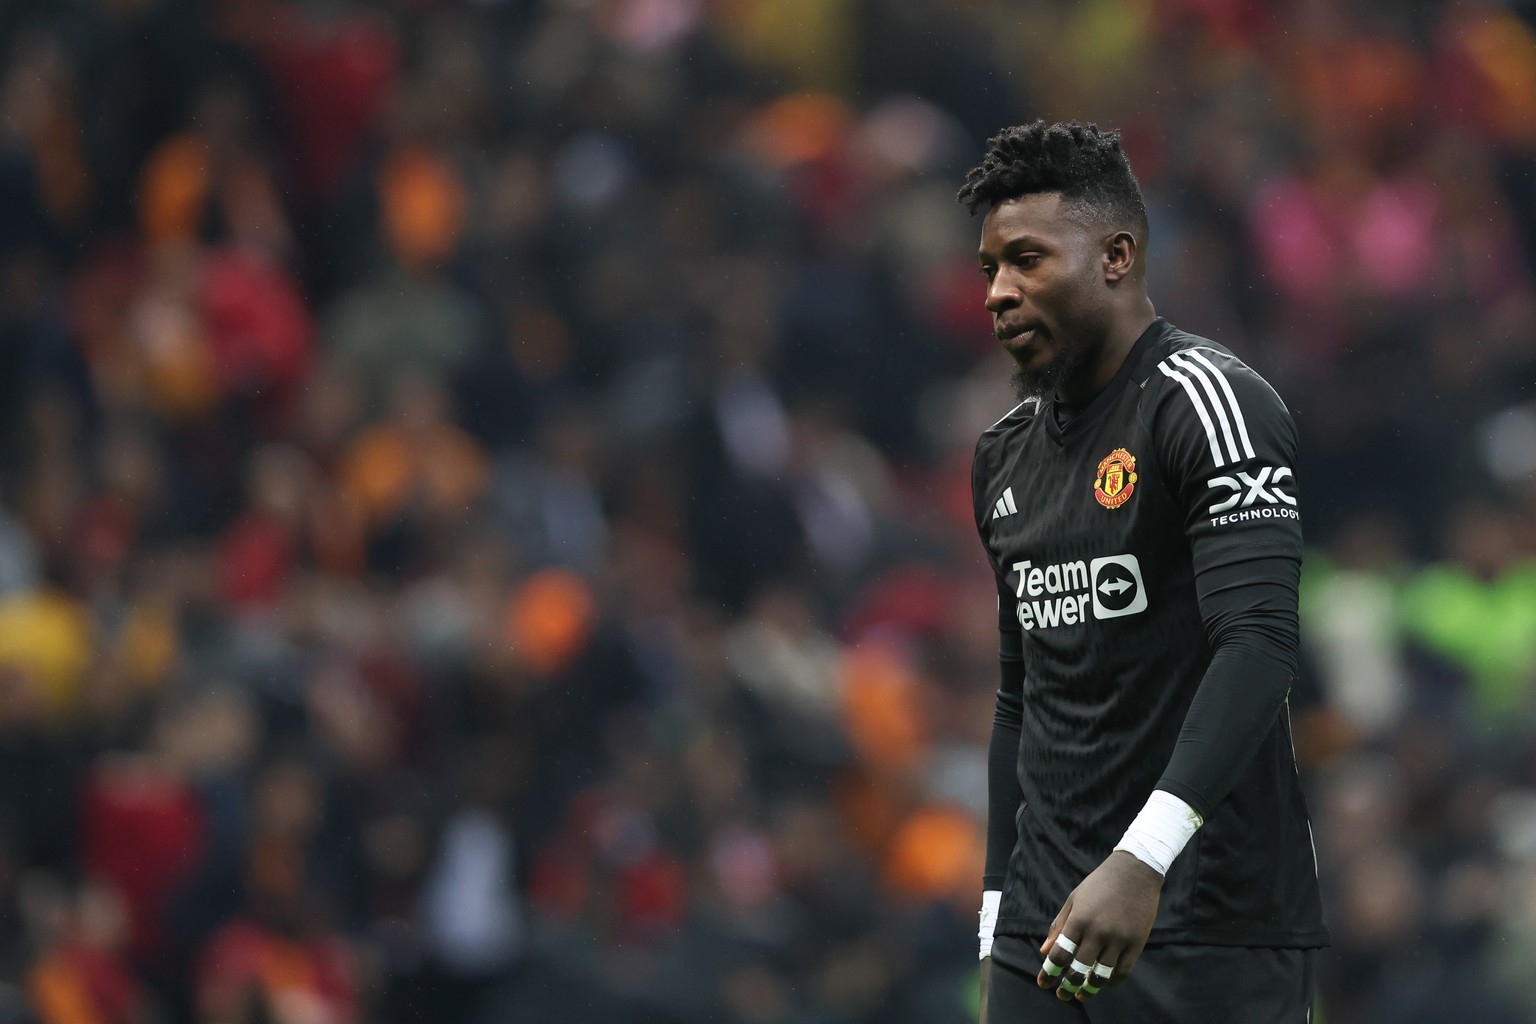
(484, 517)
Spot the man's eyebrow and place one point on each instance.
(1015, 245)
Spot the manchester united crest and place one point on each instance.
(1116, 479)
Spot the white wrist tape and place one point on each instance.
(989, 903)
(1160, 831)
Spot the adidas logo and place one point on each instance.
(1005, 505)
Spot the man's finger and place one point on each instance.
(1075, 977)
(1126, 963)
(1098, 976)
(1079, 968)
(1056, 926)
(1057, 959)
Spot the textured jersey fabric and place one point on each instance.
(1146, 545)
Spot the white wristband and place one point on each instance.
(1160, 831)
(989, 903)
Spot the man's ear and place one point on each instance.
(1121, 254)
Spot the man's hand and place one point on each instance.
(1102, 928)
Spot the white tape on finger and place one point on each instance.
(1080, 968)
(1103, 970)
(1066, 944)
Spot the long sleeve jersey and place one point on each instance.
(1147, 551)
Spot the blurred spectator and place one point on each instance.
(86, 977)
(278, 948)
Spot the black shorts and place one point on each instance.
(1169, 985)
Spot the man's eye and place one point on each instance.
(1029, 259)
(988, 272)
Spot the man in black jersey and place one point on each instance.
(1147, 835)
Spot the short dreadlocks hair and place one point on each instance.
(1081, 161)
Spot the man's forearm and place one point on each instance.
(1250, 612)
(1003, 797)
(1003, 792)
(1233, 711)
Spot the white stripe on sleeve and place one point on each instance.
(1217, 405)
(1199, 404)
(1237, 410)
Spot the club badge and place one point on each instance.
(1116, 479)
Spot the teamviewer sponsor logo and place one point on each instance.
(1117, 588)
(1067, 593)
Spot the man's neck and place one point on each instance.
(1094, 376)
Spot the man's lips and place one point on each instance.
(1016, 338)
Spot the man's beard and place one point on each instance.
(1040, 383)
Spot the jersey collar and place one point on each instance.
(1129, 369)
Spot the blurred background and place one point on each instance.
(484, 515)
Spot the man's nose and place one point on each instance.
(1002, 293)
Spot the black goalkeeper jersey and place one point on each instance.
(1118, 536)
